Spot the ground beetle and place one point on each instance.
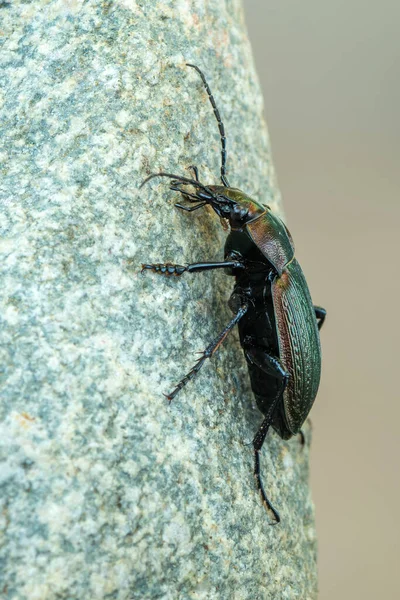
(278, 324)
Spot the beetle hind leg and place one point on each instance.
(208, 353)
(268, 364)
(264, 498)
(258, 442)
(302, 438)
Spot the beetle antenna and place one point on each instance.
(220, 124)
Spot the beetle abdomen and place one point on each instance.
(298, 339)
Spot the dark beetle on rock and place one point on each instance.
(278, 324)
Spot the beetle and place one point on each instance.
(278, 323)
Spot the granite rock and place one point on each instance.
(106, 490)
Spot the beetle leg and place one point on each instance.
(176, 186)
(170, 269)
(187, 195)
(190, 208)
(269, 365)
(208, 352)
(225, 264)
(258, 442)
(302, 437)
(260, 488)
(320, 314)
(198, 199)
(165, 269)
(195, 172)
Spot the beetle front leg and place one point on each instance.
(196, 200)
(164, 269)
(172, 269)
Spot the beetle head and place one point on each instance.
(229, 203)
(238, 208)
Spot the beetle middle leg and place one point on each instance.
(320, 314)
(208, 352)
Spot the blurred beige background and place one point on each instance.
(330, 75)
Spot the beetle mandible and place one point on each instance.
(278, 324)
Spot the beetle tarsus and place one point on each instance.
(267, 504)
(192, 373)
(168, 397)
(165, 269)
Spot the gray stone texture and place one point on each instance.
(106, 491)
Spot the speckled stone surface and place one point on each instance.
(106, 491)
